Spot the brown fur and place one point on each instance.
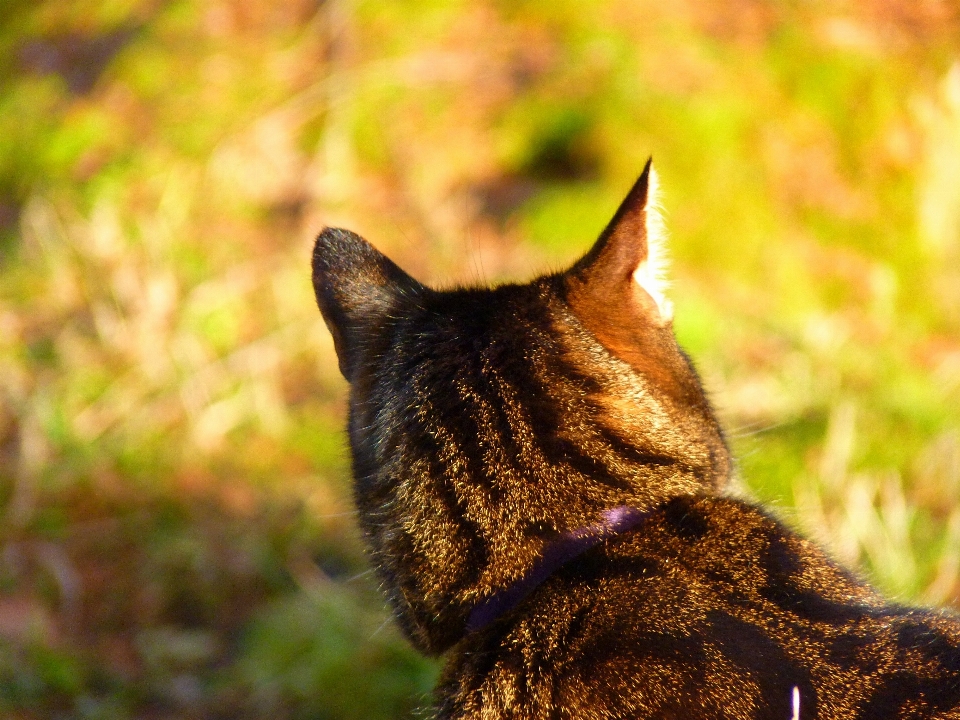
(490, 427)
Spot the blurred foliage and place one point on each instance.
(178, 536)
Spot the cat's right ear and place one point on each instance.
(357, 287)
(623, 277)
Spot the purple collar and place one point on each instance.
(568, 546)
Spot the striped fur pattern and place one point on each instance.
(486, 425)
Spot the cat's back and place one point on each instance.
(709, 608)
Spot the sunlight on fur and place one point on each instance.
(651, 274)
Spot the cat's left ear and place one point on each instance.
(625, 270)
(358, 288)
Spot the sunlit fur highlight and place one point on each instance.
(653, 273)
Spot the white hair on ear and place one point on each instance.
(651, 274)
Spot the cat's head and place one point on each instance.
(486, 421)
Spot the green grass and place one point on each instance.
(178, 536)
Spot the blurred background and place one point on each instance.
(177, 536)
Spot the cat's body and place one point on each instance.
(496, 433)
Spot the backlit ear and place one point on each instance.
(357, 289)
(628, 263)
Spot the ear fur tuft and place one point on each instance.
(652, 272)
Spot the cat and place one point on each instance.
(542, 483)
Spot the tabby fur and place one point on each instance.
(493, 429)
